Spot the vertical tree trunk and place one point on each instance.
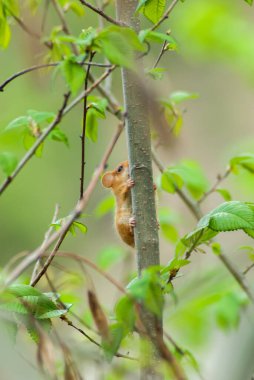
(140, 161)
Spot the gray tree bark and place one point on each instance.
(140, 162)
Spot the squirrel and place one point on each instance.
(120, 182)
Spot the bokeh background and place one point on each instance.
(215, 59)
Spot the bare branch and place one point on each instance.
(46, 237)
(83, 135)
(218, 181)
(37, 67)
(101, 13)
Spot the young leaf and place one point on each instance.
(156, 73)
(8, 162)
(181, 96)
(80, 226)
(125, 313)
(59, 135)
(73, 73)
(225, 194)
(19, 122)
(92, 124)
(152, 9)
(118, 44)
(41, 117)
(111, 344)
(244, 161)
(105, 206)
(5, 33)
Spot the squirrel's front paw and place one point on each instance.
(130, 183)
(132, 222)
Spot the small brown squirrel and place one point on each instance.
(120, 182)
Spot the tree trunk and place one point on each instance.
(140, 161)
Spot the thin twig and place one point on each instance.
(46, 237)
(218, 181)
(37, 67)
(60, 13)
(248, 269)
(166, 15)
(25, 263)
(160, 54)
(70, 323)
(83, 134)
(101, 13)
(44, 15)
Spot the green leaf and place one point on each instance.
(41, 117)
(216, 248)
(118, 44)
(111, 345)
(147, 290)
(52, 314)
(244, 161)
(181, 96)
(8, 162)
(59, 135)
(109, 256)
(170, 180)
(73, 73)
(150, 35)
(20, 290)
(225, 194)
(29, 140)
(92, 124)
(125, 313)
(19, 122)
(99, 105)
(229, 216)
(156, 73)
(80, 226)
(250, 2)
(152, 9)
(5, 33)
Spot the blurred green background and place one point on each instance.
(216, 60)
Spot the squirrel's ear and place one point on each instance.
(107, 179)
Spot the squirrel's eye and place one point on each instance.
(119, 169)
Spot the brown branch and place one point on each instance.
(166, 15)
(46, 237)
(83, 135)
(218, 181)
(37, 67)
(101, 13)
(25, 263)
(248, 269)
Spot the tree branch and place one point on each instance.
(101, 13)
(37, 67)
(218, 181)
(83, 135)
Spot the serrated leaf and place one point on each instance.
(20, 290)
(52, 314)
(8, 162)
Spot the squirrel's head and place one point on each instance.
(116, 177)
